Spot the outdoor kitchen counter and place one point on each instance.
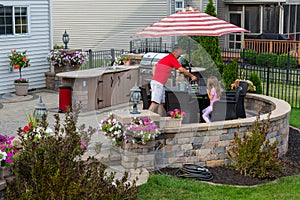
(101, 87)
(96, 72)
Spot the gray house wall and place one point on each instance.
(105, 24)
(36, 42)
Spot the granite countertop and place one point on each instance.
(90, 73)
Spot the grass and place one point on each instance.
(166, 187)
(294, 118)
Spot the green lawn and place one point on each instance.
(294, 118)
(166, 187)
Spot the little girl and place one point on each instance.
(214, 92)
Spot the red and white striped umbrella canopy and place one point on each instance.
(189, 24)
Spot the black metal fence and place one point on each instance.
(281, 83)
(101, 58)
(149, 45)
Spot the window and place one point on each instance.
(271, 19)
(6, 27)
(13, 20)
(252, 19)
(179, 5)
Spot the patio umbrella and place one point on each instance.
(189, 23)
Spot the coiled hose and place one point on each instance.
(194, 171)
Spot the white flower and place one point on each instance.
(3, 155)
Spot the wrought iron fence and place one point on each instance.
(101, 58)
(281, 83)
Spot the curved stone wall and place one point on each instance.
(206, 144)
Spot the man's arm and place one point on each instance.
(186, 73)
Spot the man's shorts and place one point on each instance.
(157, 92)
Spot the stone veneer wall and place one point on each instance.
(206, 143)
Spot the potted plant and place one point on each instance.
(138, 131)
(174, 119)
(66, 60)
(126, 61)
(18, 60)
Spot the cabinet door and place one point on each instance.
(117, 89)
(129, 78)
(99, 94)
(108, 85)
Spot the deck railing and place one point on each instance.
(274, 46)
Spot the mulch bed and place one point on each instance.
(229, 176)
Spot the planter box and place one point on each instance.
(168, 122)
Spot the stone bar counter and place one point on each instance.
(101, 87)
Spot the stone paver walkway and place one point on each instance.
(14, 111)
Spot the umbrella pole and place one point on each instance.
(189, 49)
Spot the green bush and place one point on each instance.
(266, 59)
(253, 155)
(249, 56)
(286, 60)
(51, 167)
(230, 74)
(254, 78)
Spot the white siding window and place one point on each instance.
(13, 20)
(179, 5)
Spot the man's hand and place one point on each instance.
(193, 77)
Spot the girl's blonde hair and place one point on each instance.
(214, 82)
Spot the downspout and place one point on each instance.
(281, 18)
(50, 29)
(170, 11)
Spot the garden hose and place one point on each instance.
(194, 171)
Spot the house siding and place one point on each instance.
(37, 44)
(94, 24)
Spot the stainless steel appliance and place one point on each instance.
(148, 61)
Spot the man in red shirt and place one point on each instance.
(161, 72)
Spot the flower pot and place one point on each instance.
(66, 68)
(168, 122)
(21, 89)
(127, 63)
(4, 172)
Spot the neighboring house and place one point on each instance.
(259, 16)
(105, 24)
(25, 25)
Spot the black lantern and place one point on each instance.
(135, 98)
(66, 39)
(40, 109)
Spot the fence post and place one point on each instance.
(112, 54)
(130, 46)
(146, 45)
(90, 58)
(268, 81)
(160, 44)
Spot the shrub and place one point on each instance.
(286, 60)
(253, 155)
(51, 167)
(230, 74)
(266, 59)
(249, 56)
(254, 78)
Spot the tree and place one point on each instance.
(209, 44)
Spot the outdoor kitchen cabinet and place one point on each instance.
(114, 88)
(99, 88)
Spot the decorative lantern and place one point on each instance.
(66, 39)
(135, 98)
(40, 109)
